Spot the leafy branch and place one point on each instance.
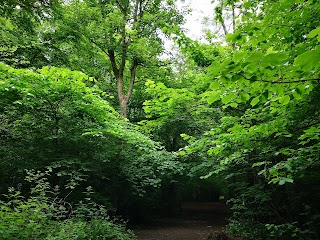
(278, 82)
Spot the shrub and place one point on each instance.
(40, 216)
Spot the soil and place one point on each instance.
(195, 222)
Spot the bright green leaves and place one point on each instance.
(271, 141)
(214, 85)
(280, 180)
(239, 56)
(255, 101)
(284, 100)
(308, 60)
(244, 97)
(271, 51)
(227, 98)
(167, 103)
(314, 33)
(213, 97)
(273, 59)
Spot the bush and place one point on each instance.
(42, 217)
(91, 230)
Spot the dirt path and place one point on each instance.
(195, 223)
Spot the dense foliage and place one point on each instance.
(236, 118)
(45, 215)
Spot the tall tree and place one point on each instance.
(122, 34)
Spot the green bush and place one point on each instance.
(91, 230)
(246, 228)
(41, 216)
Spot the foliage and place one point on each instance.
(41, 216)
(113, 40)
(263, 136)
(21, 44)
(238, 118)
(50, 118)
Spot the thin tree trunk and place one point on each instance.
(233, 19)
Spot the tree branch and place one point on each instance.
(133, 71)
(124, 52)
(94, 42)
(113, 63)
(279, 82)
(135, 13)
(120, 6)
(222, 20)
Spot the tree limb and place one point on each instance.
(94, 43)
(133, 71)
(113, 63)
(120, 6)
(124, 52)
(279, 82)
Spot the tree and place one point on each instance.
(125, 34)
(50, 118)
(263, 135)
(21, 44)
(266, 142)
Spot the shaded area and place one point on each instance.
(196, 221)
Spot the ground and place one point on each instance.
(195, 222)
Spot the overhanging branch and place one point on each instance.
(280, 82)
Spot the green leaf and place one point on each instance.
(265, 96)
(226, 99)
(309, 59)
(284, 100)
(285, 180)
(255, 57)
(314, 32)
(301, 89)
(255, 101)
(297, 96)
(230, 37)
(258, 164)
(214, 69)
(274, 59)
(239, 56)
(271, 51)
(237, 77)
(214, 85)
(234, 105)
(244, 97)
(213, 97)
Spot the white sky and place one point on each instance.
(194, 22)
(200, 10)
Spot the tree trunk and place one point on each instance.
(123, 107)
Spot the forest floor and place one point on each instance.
(195, 222)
